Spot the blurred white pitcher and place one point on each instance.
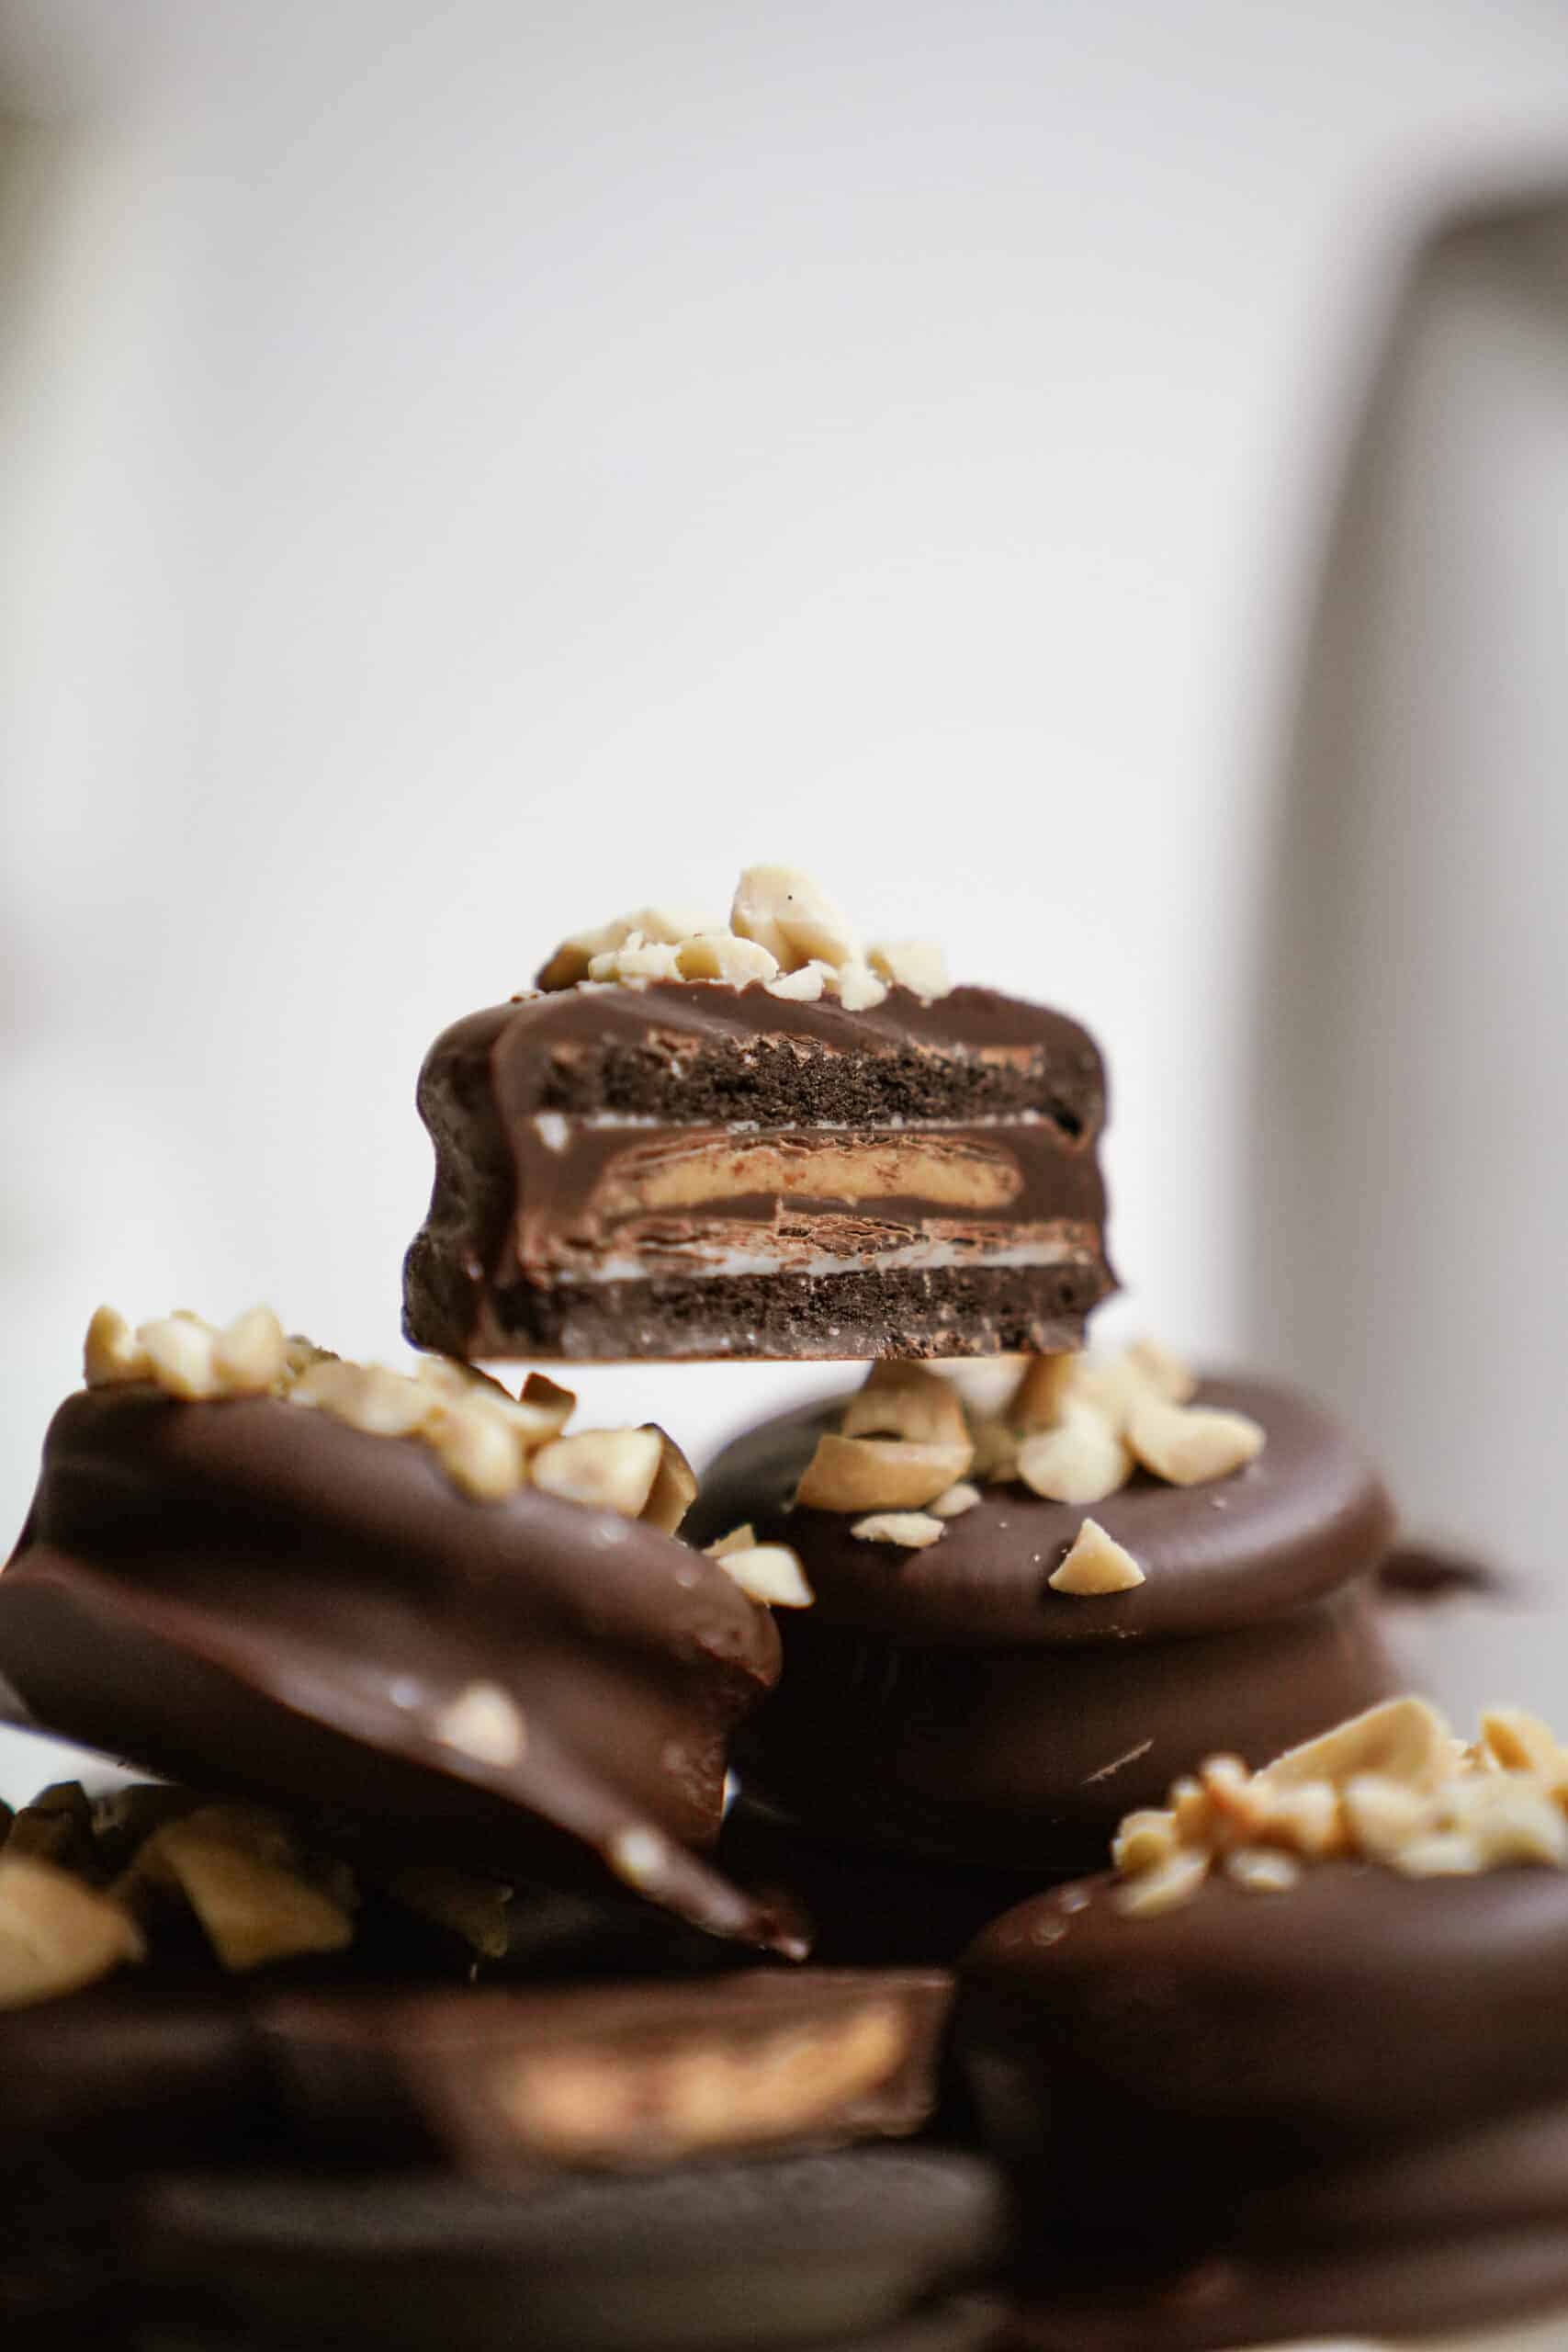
(1408, 1189)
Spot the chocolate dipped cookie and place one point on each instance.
(412, 1599)
(1299, 2066)
(754, 1142)
(1028, 1617)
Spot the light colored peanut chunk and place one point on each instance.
(804, 987)
(859, 1473)
(182, 1353)
(1144, 1837)
(1096, 1563)
(478, 1452)
(1045, 1392)
(770, 1574)
(674, 1486)
(1262, 1869)
(112, 1353)
(1080, 1461)
(916, 964)
(1406, 1739)
(859, 990)
(251, 1354)
(1189, 1444)
(1161, 1371)
(56, 1934)
(603, 1469)
(912, 1530)
(786, 912)
(716, 955)
(254, 1907)
(956, 1501)
(905, 1400)
(1521, 1743)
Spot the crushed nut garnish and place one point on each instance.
(769, 1573)
(783, 930)
(1072, 1429)
(912, 1530)
(1096, 1563)
(489, 1442)
(1391, 1786)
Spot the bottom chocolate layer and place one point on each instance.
(797, 2251)
(1026, 1758)
(902, 1311)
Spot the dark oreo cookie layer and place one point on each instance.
(248, 1594)
(794, 2251)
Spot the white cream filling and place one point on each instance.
(929, 1256)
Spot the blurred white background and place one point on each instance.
(464, 469)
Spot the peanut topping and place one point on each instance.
(491, 1444)
(1070, 1429)
(911, 1529)
(783, 930)
(768, 1573)
(1096, 1563)
(1391, 1786)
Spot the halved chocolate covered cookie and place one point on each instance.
(751, 1142)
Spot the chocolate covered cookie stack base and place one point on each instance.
(437, 1688)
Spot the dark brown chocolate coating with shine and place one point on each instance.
(1343, 2106)
(251, 1594)
(1356, 2005)
(1019, 1758)
(518, 1255)
(1304, 1518)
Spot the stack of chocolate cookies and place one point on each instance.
(574, 1909)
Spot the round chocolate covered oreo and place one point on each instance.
(1306, 1517)
(794, 2251)
(247, 1594)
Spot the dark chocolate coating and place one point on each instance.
(618, 2076)
(525, 1221)
(1026, 1758)
(867, 1907)
(1356, 2007)
(790, 2251)
(1398, 2293)
(1306, 1517)
(251, 1594)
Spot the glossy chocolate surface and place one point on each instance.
(249, 1594)
(637, 1170)
(1307, 1516)
(1357, 2006)
(615, 2076)
(1027, 1756)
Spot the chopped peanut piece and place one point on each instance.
(915, 964)
(605, 1469)
(1188, 1445)
(769, 1573)
(956, 1501)
(858, 1474)
(1096, 1563)
(674, 1487)
(1081, 1462)
(905, 1400)
(113, 1354)
(1043, 1395)
(912, 1530)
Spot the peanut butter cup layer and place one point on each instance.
(728, 1147)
